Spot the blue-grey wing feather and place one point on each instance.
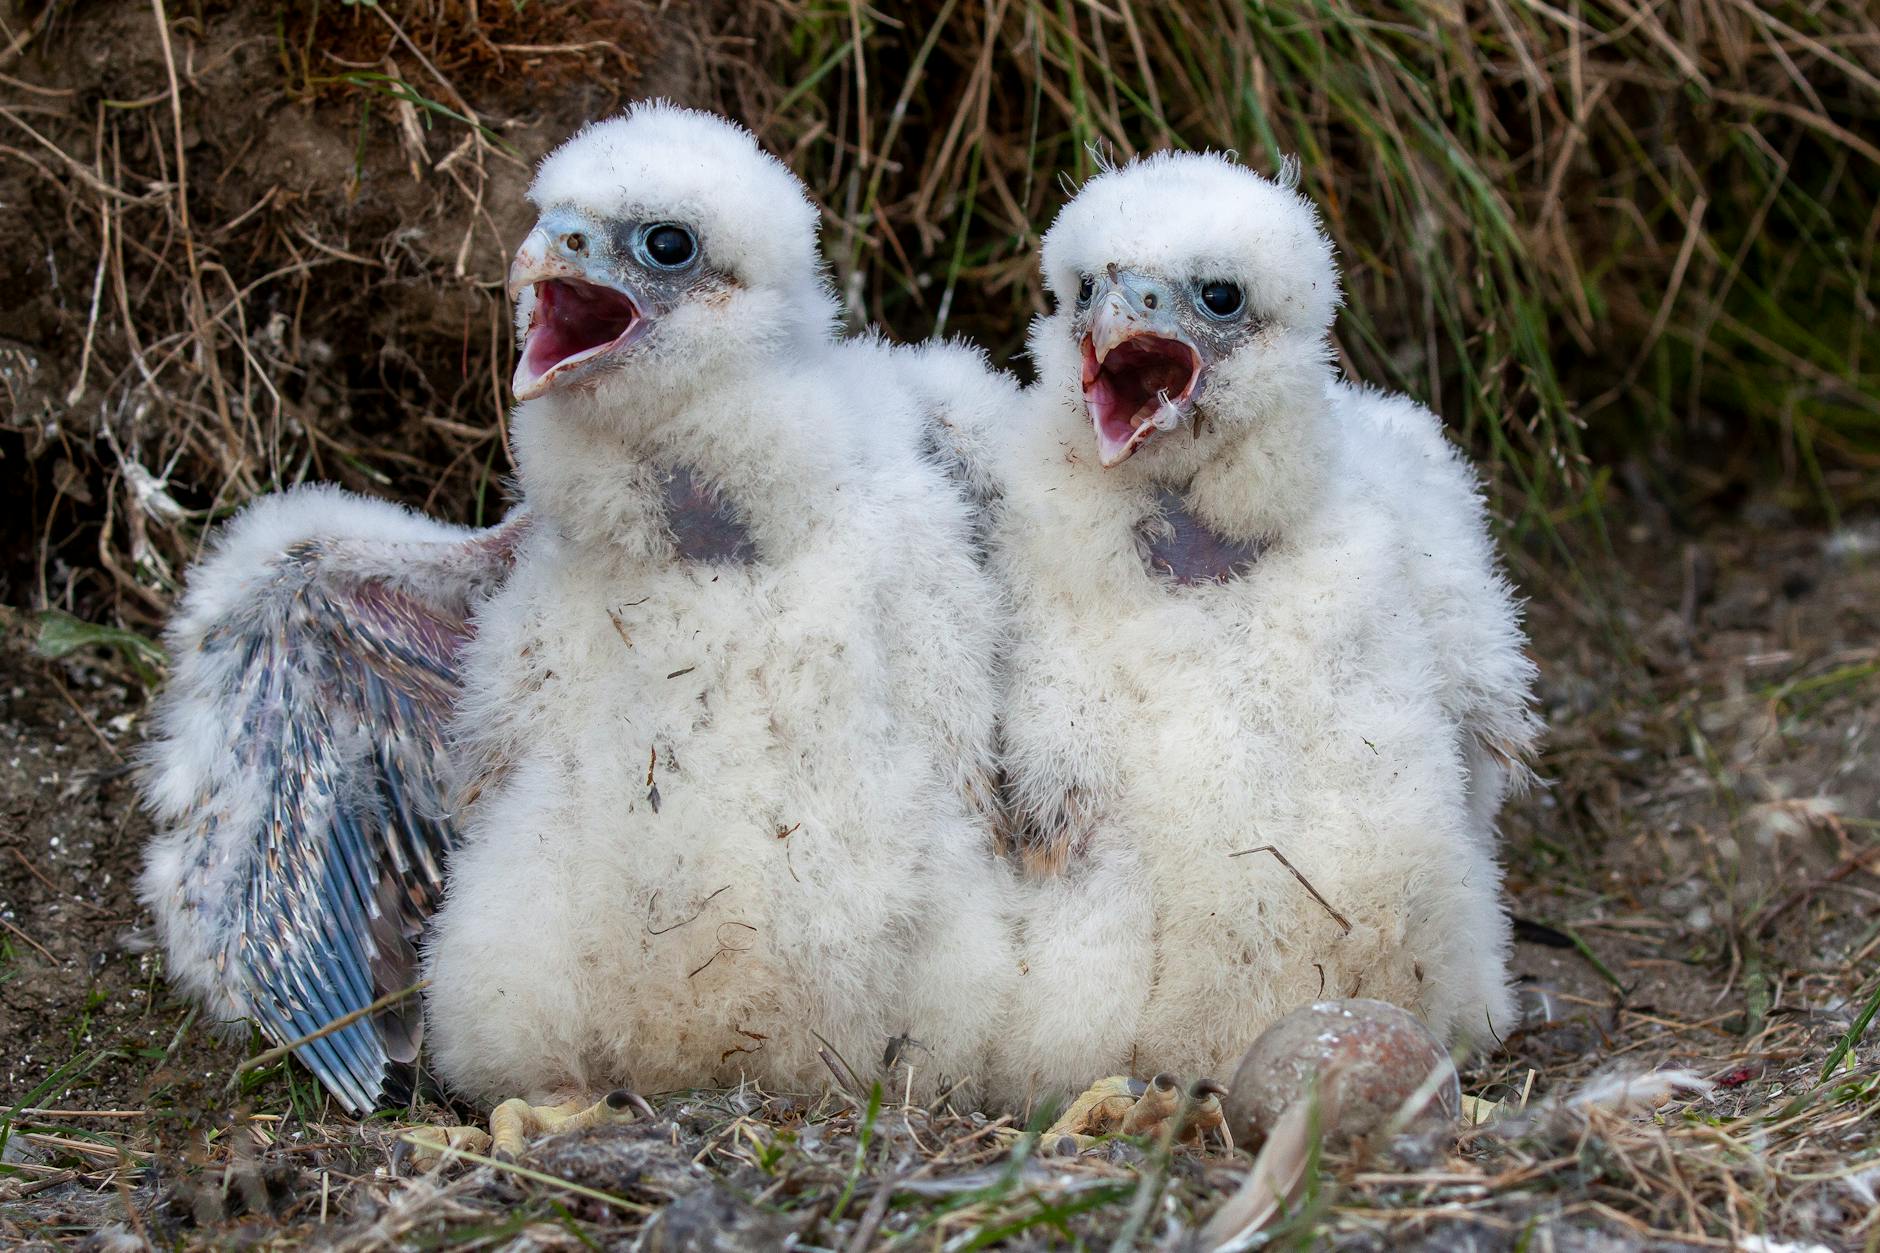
(339, 685)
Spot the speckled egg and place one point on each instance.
(1369, 1057)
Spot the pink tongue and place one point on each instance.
(1113, 435)
(549, 347)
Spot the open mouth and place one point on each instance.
(573, 323)
(1142, 385)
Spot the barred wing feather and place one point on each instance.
(300, 774)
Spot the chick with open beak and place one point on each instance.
(1148, 344)
(727, 731)
(1267, 686)
(588, 289)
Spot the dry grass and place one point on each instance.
(274, 253)
(1755, 1147)
(1628, 249)
(1600, 237)
(1583, 230)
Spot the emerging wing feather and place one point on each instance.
(295, 877)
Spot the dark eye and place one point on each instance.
(1222, 300)
(1084, 289)
(670, 246)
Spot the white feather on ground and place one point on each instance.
(1631, 1092)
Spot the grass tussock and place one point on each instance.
(1582, 231)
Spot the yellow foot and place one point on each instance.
(424, 1149)
(513, 1124)
(1120, 1105)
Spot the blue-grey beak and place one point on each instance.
(578, 313)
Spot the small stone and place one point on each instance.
(1368, 1057)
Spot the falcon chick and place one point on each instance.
(732, 712)
(1268, 686)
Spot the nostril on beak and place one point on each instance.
(574, 241)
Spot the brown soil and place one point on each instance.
(347, 234)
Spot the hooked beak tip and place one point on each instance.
(1112, 323)
(527, 263)
(537, 259)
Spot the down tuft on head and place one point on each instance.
(1200, 214)
(755, 220)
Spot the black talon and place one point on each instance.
(1164, 1082)
(1205, 1088)
(621, 1098)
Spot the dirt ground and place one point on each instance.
(333, 304)
(1706, 832)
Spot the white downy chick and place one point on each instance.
(1256, 608)
(729, 723)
